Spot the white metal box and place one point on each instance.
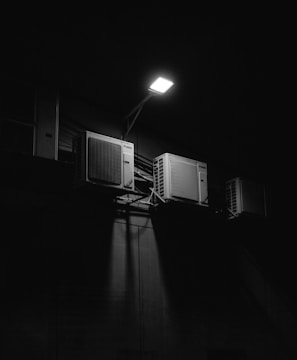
(180, 179)
(103, 160)
(245, 197)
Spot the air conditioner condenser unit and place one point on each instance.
(103, 160)
(177, 178)
(245, 197)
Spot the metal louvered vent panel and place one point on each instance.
(161, 177)
(104, 161)
(231, 197)
(158, 173)
(156, 176)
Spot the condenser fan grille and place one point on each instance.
(184, 180)
(104, 161)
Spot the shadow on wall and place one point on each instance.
(57, 274)
(197, 259)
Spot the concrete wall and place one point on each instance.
(84, 277)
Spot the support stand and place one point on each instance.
(153, 192)
(128, 126)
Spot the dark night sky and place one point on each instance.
(221, 63)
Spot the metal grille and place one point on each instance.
(158, 174)
(104, 161)
(231, 197)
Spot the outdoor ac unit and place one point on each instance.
(180, 179)
(103, 160)
(245, 197)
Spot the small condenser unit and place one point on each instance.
(103, 160)
(177, 178)
(245, 197)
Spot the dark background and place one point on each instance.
(225, 65)
(225, 109)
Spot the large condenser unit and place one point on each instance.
(177, 178)
(103, 160)
(245, 197)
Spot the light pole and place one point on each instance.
(158, 87)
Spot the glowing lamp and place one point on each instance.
(160, 86)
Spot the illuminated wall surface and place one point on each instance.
(86, 280)
(83, 278)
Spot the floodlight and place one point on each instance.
(160, 86)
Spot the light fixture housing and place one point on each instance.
(160, 86)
